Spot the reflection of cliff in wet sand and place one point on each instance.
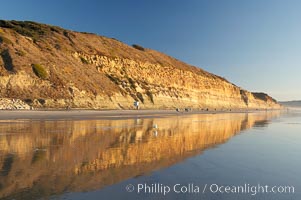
(41, 158)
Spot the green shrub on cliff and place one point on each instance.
(20, 53)
(39, 71)
(5, 40)
(136, 46)
(27, 28)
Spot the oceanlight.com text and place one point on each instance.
(191, 188)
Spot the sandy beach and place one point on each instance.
(100, 114)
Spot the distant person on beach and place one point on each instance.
(136, 104)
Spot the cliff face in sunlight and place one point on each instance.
(50, 157)
(48, 66)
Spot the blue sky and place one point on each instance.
(256, 44)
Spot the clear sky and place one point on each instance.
(256, 44)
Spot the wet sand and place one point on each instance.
(100, 114)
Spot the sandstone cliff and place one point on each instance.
(47, 66)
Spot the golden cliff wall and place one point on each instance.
(89, 71)
(55, 156)
(169, 87)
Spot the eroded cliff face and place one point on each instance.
(89, 71)
(53, 157)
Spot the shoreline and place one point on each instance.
(105, 114)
